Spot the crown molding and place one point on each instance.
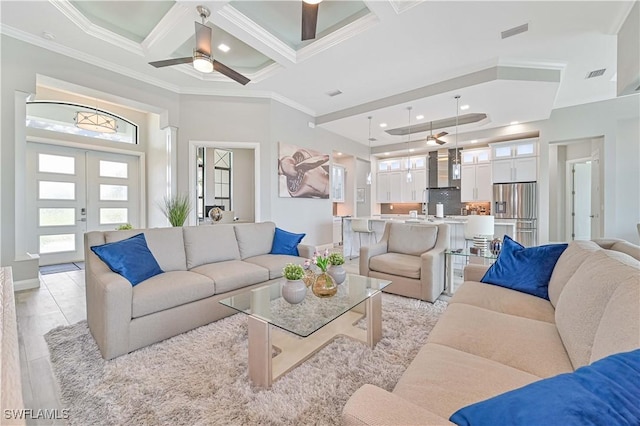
(84, 57)
(166, 25)
(243, 22)
(82, 22)
(352, 29)
(401, 6)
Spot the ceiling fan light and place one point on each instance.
(312, 1)
(95, 122)
(202, 62)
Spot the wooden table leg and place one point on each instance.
(260, 362)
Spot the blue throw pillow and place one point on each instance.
(606, 392)
(524, 269)
(286, 242)
(130, 258)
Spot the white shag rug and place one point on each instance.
(200, 377)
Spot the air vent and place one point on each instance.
(334, 93)
(596, 73)
(515, 31)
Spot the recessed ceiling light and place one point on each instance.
(513, 123)
(474, 141)
(383, 124)
(464, 107)
(419, 117)
(339, 153)
(224, 47)
(386, 153)
(411, 150)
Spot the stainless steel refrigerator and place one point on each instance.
(518, 201)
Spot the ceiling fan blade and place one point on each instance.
(169, 62)
(203, 39)
(309, 20)
(441, 134)
(234, 75)
(439, 141)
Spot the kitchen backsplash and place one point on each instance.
(400, 208)
(450, 199)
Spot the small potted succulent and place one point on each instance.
(294, 289)
(336, 270)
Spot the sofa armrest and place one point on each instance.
(432, 266)
(474, 272)
(306, 250)
(371, 405)
(367, 252)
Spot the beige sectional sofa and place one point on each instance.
(201, 265)
(491, 339)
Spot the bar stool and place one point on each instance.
(360, 226)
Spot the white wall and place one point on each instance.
(243, 184)
(628, 69)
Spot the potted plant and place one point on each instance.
(324, 285)
(176, 208)
(336, 270)
(294, 289)
(124, 227)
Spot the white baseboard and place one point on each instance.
(26, 284)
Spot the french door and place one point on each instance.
(72, 191)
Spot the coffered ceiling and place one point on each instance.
(382, 55)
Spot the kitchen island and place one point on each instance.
(351, 241)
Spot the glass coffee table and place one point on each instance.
(296, 332)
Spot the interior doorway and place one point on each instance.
(580, 213)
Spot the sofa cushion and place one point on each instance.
(524, 269)
(274, 263)
(130, 258)
(209, 244)
(169, 290)
(605, 393)
(442, 379)
(254, 239)
(504, 300)
(586, 296)
(528, 345)
(411, 239)
(619, 328)
(285, 242)
(567, 264)
(403, 265)
(232, 274)
(627, 248)
(166, 244)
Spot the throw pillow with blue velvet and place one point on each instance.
(286, 242)
(130, 258)
(606, 392)
(525, 269)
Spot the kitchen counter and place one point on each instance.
(351, 241)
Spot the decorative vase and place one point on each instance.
(324, 285)
(294, 291)
(338, 273)
(309, 277)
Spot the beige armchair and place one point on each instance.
(411, 256)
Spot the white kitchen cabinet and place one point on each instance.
(337, 183)
(475, 184)
(389, 187)
(514, 162)
(515, 170)
(412, 191)
(476, 156)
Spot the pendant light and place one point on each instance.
(94, 121)
(409, 177)
(369, 173)
(456, 160)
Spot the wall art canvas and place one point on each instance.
(302, 172)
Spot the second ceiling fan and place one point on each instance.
(201, 59)
(437, 137)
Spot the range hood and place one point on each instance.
(441, 169)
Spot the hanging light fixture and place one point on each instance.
(456, 160)
(409, 177)
(95, 121)
(369, 173)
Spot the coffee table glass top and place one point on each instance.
(313, 313)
